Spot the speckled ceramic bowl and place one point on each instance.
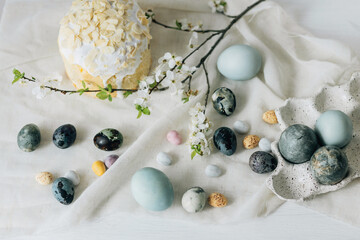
(294, 181)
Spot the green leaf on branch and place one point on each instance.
(17, 75)
(185, 99)
(83, 84)
(223, 3)
(142, 110)
(193, 154)
(127, 93)
(178, 24)
(102, 95)
(109, 88)
(110, 98)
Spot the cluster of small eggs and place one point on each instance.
(148, 185)
(323, 147)
(109, 139)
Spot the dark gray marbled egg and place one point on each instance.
(108, 139)
(64, 136)
(298, 143)
(29, 137)
(329, 165)
(224, 101)
(225, 140)
(63, 190)
(262, 162)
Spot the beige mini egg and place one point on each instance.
(217, 200)
(251, 141)
(270, 117)
(44, 178)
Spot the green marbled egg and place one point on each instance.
(29, 138)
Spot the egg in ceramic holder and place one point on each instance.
(295, 182)
(105, 42)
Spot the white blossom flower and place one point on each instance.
(199, 131)
(175, 61)
(217, 5)
(40, 91)
(194, 40)
(164, 59)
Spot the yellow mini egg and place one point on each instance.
(98, 167)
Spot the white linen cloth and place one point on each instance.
(295, 64)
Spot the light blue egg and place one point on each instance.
(152, 189)
(334, 128)
(239, 62)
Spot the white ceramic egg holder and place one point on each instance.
(294, 182)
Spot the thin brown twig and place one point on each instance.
(183, 30)
(208, 85)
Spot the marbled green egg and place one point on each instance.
(329, 165)
(29, 138)
(108, 139)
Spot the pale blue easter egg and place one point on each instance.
(334, 128)
(239, 62)
(152, 189)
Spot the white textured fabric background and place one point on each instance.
(295, 64)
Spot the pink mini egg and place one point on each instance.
(174, 137)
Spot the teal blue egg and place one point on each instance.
(29, 137)
(152, 189)
(239, 62)
(334, 128)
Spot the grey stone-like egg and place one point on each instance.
(329, 165)
(262, 162)
(298, 143)
(29, 138)
(64, 136)
(224, 101)
(194, 200)
(108, 139)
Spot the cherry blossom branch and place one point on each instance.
(178, 28)
(208, 86)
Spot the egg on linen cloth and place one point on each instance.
(239, 62)
(152, 189)
(334, 128)
(194, 200)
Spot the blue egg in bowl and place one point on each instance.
(239, 62)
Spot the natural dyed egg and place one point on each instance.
(334, 128)
(213, 171)
(262, 162)
(63, 190)
(174, 137)
(64, 136)
(224, 101)
(217, 200)
(265, 145)
(152, 189)
(241, 127)
(298, 143)
(29, 137)
(44, 178)
(239, 62)
(110, 160)
(73, 177)
(98, 168)
(108, 139)
(225, 140)
(194, 200)
(329, 165)
(164, 159)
